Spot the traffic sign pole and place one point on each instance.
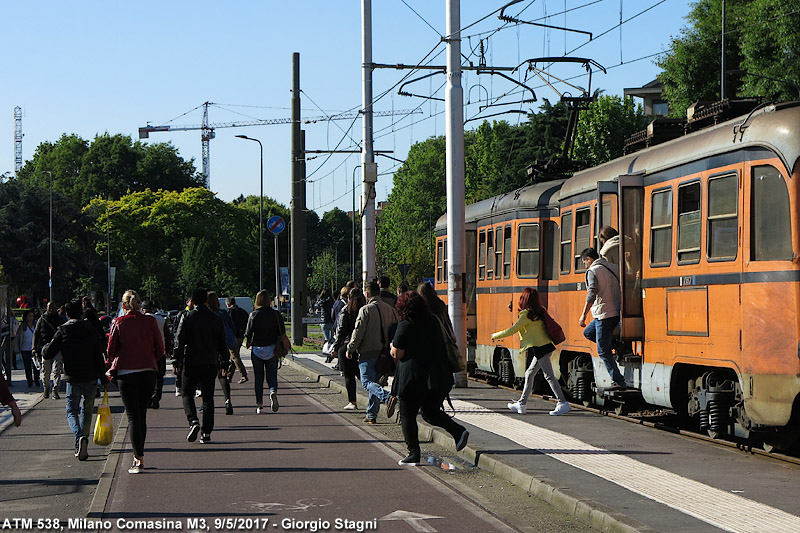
(276, 225)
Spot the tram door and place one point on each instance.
(631, 222)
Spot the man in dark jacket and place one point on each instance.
(239, 317)
(43, 333)
(201, 349)
(80, 347)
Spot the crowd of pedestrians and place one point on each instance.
(410, 327)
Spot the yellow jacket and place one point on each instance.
(531, 332)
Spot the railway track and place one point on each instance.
(742, 446)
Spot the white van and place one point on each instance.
(245, 302)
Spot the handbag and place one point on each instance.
(104, 427)
(553, 329)
(451, 349)
(385, 365)
(283, 344)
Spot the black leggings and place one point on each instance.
(349, 368)
(431, 404)
(136, 390)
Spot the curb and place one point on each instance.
(98, 506)
(567, 500)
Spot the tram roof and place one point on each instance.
(529, 198)
(775, 126)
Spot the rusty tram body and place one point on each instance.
(709, 229)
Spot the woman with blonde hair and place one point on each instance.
(134, 347)
(264, 328)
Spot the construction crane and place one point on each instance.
(207, 130)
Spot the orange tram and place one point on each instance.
(709, 249)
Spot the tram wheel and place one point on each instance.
(779, 442)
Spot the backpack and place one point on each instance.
(230, 334)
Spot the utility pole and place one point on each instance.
(298, 214)
(454, 128)
(369, 171)
(723, 90)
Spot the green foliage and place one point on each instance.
(328, 273)
(761, 39)
(603, 128)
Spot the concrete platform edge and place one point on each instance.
(584, 509)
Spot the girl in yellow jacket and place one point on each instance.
(534, 340)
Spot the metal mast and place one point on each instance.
(454, 148)
(369, 168)
(17, 139)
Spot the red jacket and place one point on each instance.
(135, 342)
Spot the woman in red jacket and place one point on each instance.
(134, 348)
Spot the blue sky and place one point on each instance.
(94, 67)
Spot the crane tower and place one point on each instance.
(207, 130)
(17, 139)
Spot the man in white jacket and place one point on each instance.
(603, 296)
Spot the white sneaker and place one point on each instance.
(259, 410)
(350, 407)
(517, 407)
(273, 402)
(177, 391)
(561, 408)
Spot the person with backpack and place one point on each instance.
(239, 317)
(537, 346)
(423, 378)
(46, 327)
(264, 328)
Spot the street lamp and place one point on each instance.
(260, 216)
(50, 270)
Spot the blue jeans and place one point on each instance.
(79, 415)
(602, 332)
(260, 368)
(369, 380)
(327, 331)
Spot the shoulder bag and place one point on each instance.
(553, 329)
(283, 345)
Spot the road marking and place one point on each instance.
(415, 520)
(704, 502)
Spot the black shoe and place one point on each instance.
(412, 459)
(56, 396)
(462, 442)
(83, 449)
(228, 408)
(193, 431)
(205, 438)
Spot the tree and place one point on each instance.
(761, 40)
(603, 128)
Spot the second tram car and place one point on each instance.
(709, 252)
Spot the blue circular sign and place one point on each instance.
(276, 224)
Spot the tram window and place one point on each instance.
(689, 223)
(490, 254)
(482, 255)
(528, 251)
(661, 228)
(770, 223)
(723, 217)
(566, 243)
(583, 235)
(507, 254)
(439, 261)
(498, 252)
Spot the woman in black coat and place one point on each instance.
(346, 324)
(423, 378)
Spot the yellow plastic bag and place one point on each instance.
(104, 427)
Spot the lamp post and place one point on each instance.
(50, 269)
(260, 216)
